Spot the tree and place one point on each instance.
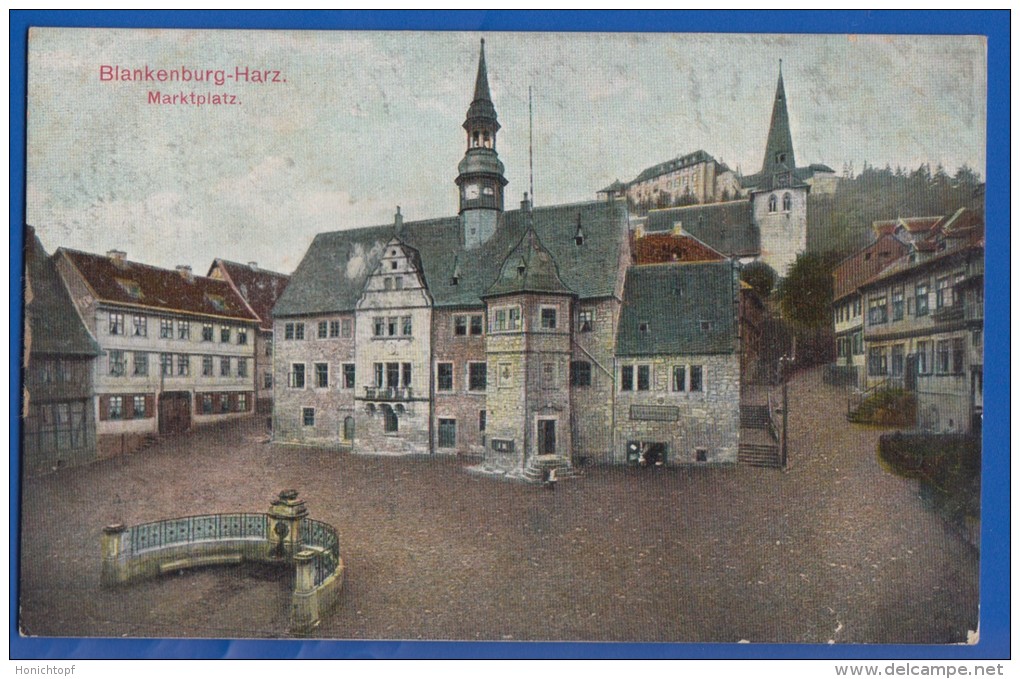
(760, 276)
(805, 295)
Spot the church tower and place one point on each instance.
(480, 177)
(779, 201)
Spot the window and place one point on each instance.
(447, 433)
(206, 404)
(706, 326)
(697, 378)
(398, 281)
(548, 375)
(476, 324)
(166, 328)
(958, 356)
(923, 357)
(141, 327)
(225, 402)
(391, 326)
(942, 357)
(941, 298)
(548, 318)
(267, 380)
(380, 374)
(207, 332)
(877, 310)
(787, 202)
(141, 363)
(858, 343)
(405, 374)
(183, 330)
(514, 318)
(460, 326)
(348, 428)
(294, 331)
(580, 374)
(378, 327)
(387, 283)
(334, 328)
(897, 360)
(346, 328)
(323, 329)
(225, 335)
(242, 403)
(225, 367)
(477, 376)
(444, 377)
(116, 324)
(242, 367)
(322, 375)
(897, 304)
(877, 361)
(117, 365)
(773, 203)
(627, 378)
(644, 377)
(405, 325)
(481, 421)
(269, 348)
(242, 335)
(183, 365)
(308, 417)
(390, 423)
(299, 331)
(643, 328)
(393, 375)
(138, 406)
(499, 320)
(288, 331)
(115, 408)
(586, 321)
(296, 378)
(348, 375)
(679, 378)
(166, 364)
(207, 366)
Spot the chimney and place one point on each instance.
(526, 203)
(185, 271)
(678, 228)
(253, 265)
(398, 221)
(118, 256)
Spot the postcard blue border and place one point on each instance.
(995, 558)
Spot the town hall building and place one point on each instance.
(528, 337)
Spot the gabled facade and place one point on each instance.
(177, 350)
(259, 289)
(492, 333)
(58, 424)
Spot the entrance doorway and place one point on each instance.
(174, 412)
(547, 437)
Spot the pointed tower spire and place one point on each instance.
(480, 174)
(779, 147)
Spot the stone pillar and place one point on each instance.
(285, 514)
(304, 610)
(112, 545)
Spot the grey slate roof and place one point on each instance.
(726, 227)
(528, 268)
(54, 323)
(677, 163)
(674, 300)
(332, 274)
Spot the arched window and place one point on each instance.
(787, 202)
(487, 141)
(772, 203)
(474, 140)
(391, 419)
(348, 428)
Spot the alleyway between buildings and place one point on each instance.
(834, 549)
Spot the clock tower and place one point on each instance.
(480, 179)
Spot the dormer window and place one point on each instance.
(216, 301)
(132, 288)
(706, 326)
(643, 328)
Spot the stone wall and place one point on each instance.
(592, 405)
(686, 421)
(783, 232)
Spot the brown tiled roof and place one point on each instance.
(260, 288)
(662, 248)
(911, 224)
(865, 264)
(140, 285)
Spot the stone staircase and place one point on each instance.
(757, 446)
(539, 466)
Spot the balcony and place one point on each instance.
(974, 311)
(388, 393)
(947, 314)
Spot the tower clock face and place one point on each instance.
(471, 191)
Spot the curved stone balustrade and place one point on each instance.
(283, 535)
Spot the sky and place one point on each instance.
(359, 123)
